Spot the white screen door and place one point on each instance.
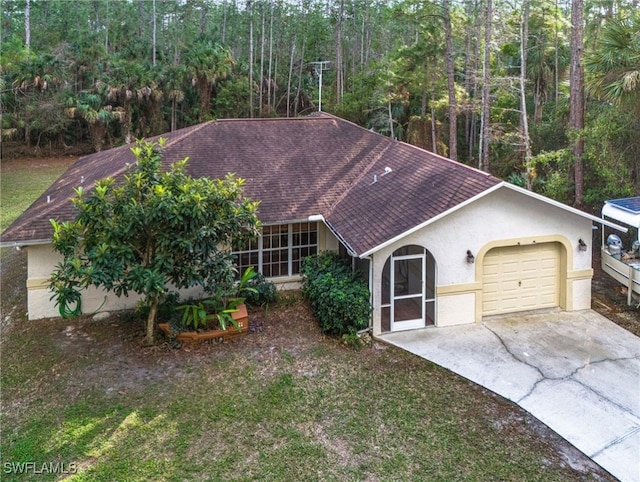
(407, 292)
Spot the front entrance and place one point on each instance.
(408, 289)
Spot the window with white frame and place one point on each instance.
(280, 249)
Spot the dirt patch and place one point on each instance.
(609, 298)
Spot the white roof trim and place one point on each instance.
(560, 205)
(501, 185)
(614, 212)
(30, 242)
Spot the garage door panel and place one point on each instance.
(520, 278)
(531, 265)
(511, 290)
(548, 281)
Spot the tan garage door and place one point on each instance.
(520, 278)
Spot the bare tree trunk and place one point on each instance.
(485, 119)
(576, 98)
(262, 41)
(538, 102)
(140, 19)
(250, 10)
(224, 22)
(473, 121)
(524, 121)
(154, 34)
(293, 51)
(556, 61)
(27, 24)
(453, 107)
(274, 87)
(434, 138)
(362, 37)
(339, 70)
(391, 133)
(106, 30)
(151, 323)
(299, 88)
(270, 60)
(173, 114)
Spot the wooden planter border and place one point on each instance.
(241, 317)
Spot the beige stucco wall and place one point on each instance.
(502, 218)
(42, 261)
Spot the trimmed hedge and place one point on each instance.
(339, 299)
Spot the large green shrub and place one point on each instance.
(339, 299)
(262, 291)
(155, 229)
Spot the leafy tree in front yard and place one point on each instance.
(154, 230)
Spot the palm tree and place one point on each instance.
(37, 81)
(131, 83)
(173, 85)
(95, 111)
(614, 65)
(614, 74)
(207, 64)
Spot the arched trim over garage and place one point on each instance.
(531, 247)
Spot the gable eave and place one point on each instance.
(564, 207)
(486, 192)
(25, 243)
(430, 221)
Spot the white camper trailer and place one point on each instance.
(620, 261)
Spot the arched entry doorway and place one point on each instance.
(408, 289)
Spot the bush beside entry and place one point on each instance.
(154, 229)
(339, 299)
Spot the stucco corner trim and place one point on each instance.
(38, 283)
(449, 290)
(580, 274)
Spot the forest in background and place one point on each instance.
(544, 94)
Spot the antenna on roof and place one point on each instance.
(319, 67)
(375, 179)
(387, 170)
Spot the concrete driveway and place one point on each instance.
(578, 372)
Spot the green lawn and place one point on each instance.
(23, 180)
(282, 404)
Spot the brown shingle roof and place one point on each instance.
(297, 168)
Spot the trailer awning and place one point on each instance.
(626, 211)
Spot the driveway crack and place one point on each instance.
(615, 441)
(570, 377)
(525, 362)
